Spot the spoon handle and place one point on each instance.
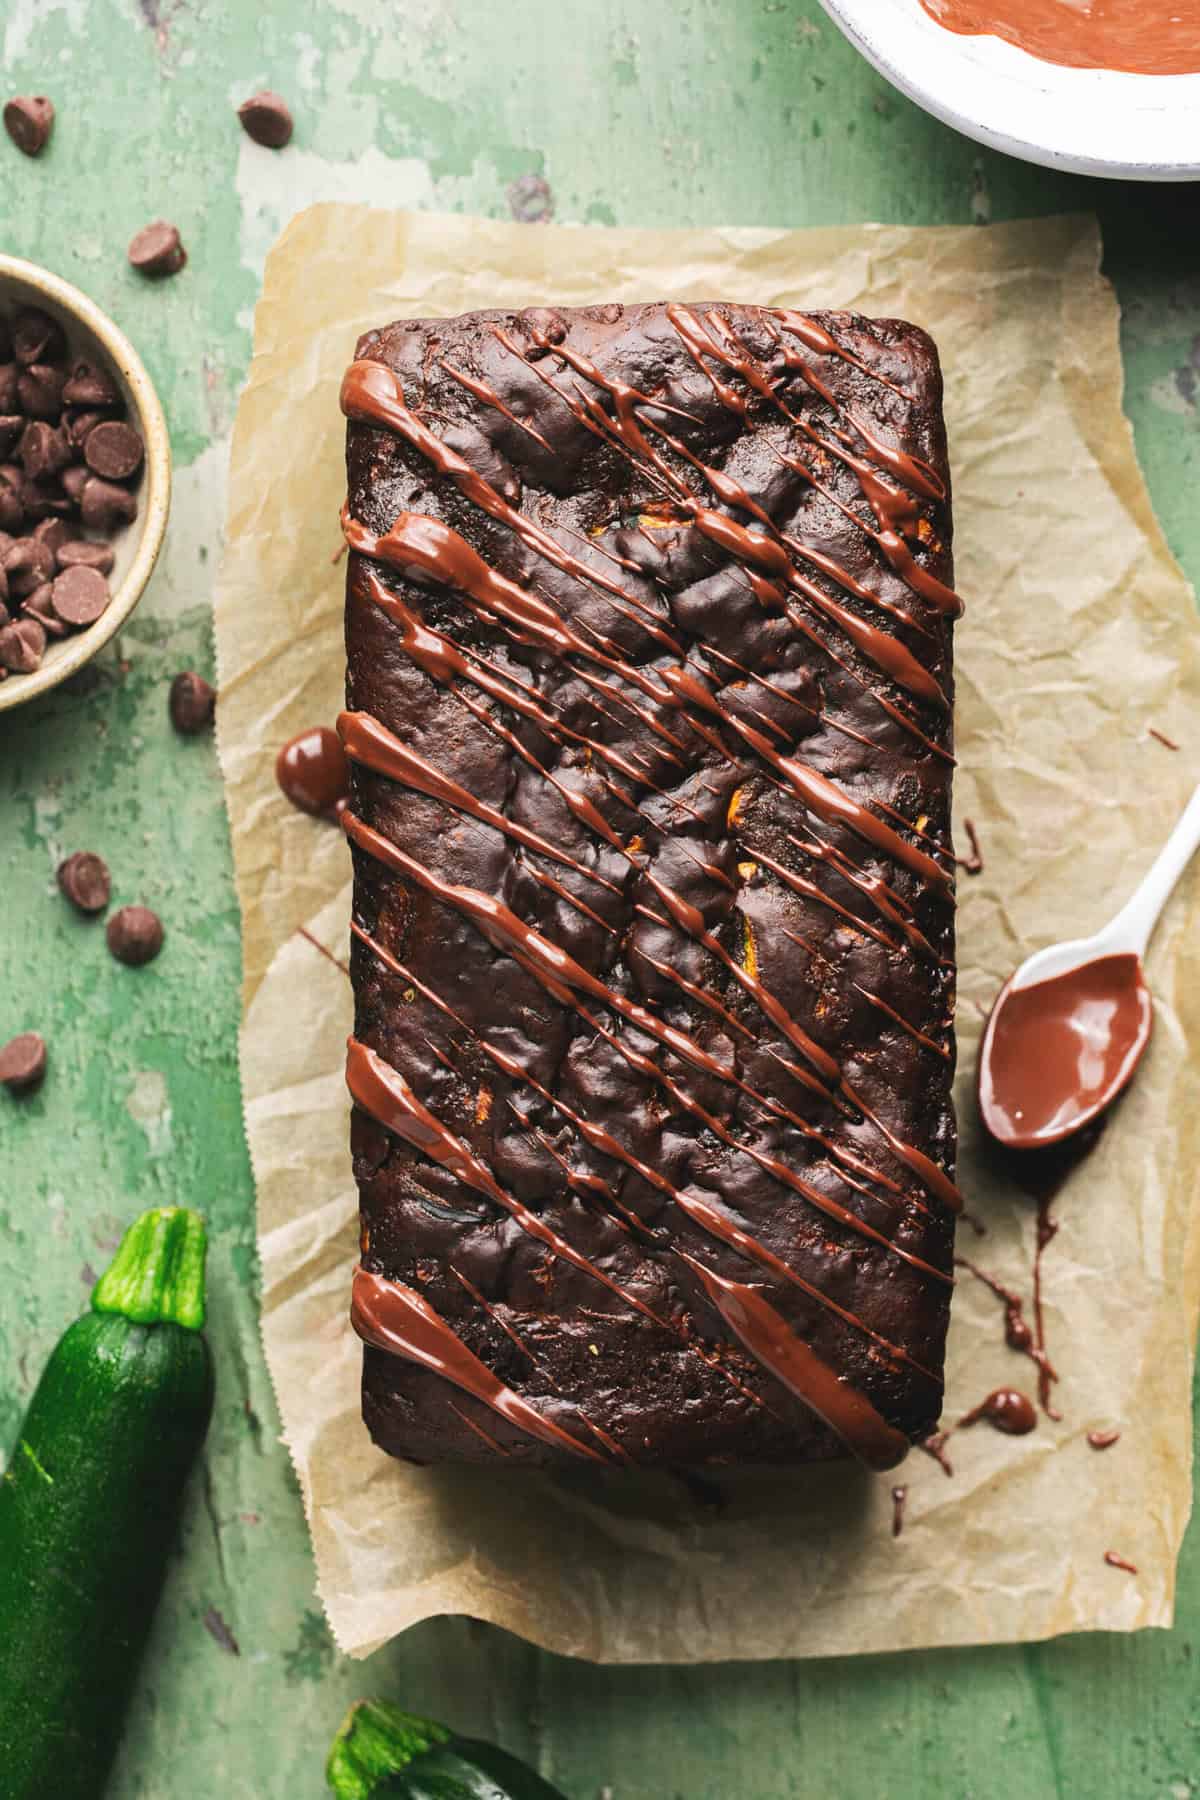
(1137, 918)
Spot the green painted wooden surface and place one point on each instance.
(677, 112)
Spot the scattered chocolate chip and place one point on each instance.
(267, 118)
(23, 1063)
(85, 880)
(134, 935)
(79, 595)
(28, 563)
(29, 120)
(37, 338)
(102, 505)
(156, 249)
(9, 376)
(85, 553)
(44, 451)
(191, 703)
(89, 386)
(11, 427)
(22, 646)
(40, 390)
(114, 450)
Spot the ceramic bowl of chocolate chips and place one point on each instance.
(85, 480)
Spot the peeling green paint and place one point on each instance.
(313, 1652)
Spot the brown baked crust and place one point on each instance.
(700, 812)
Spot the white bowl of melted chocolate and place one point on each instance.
(1102, 87)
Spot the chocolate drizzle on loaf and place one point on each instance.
(649, 721)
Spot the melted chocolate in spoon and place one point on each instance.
(1055, 1054)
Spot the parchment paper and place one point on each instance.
(1079, 634)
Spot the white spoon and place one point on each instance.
(1069, 1028)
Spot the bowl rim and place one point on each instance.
(1001, 96)
(155, 492)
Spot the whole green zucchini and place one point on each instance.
(89, 1509)
(381, 1753)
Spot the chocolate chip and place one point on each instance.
(11, 427)
(78, 422)
(34, 635)
(156, 249)
(40, 390)
(267, 118)
(43, 450)
(51, 532)
(85, 553)
(545, 326)
(74, 480)
(23, 1062)
(191, 703)
(114, 450)
(37, 338)
(80, 595)
(89, 386)
(37, 606)
(46, 499)
(12, 507)
(28, 563)
(134, 935)
(9, 373)
(28, 120)
(103, 506)
(85, 880)
(22, 646)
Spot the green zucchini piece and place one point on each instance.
(89, 1509)
(381, 1753)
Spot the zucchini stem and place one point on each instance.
(376, 1740)
(157, 1275)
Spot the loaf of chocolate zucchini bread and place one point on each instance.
(649, 712)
